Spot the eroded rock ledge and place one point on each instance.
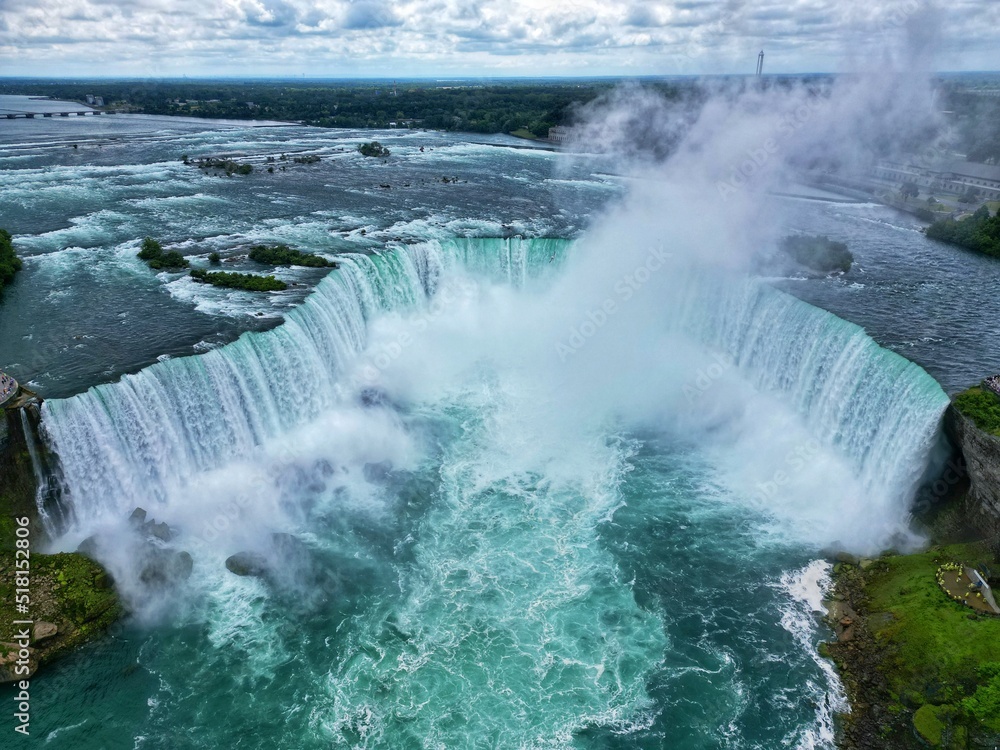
(72, 598)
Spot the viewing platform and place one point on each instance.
(9, 389)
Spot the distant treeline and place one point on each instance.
(10, 264)
(980, 232)
(491, 108)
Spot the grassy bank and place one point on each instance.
(982, 407)
(921, 670)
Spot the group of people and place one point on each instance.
(993, 383)
(7, 386)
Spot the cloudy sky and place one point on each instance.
(409, 38)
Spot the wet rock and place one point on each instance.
(164, 566)
(43, 630)
(374, 397)
(160, 531)
(247, 564)
(847, 558)
(9, 654)
(138, 517)
(88, 547)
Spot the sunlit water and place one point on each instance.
(509, 546)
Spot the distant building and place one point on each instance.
(90, 98)
(558, 134)
(98, 101)
(954, 176)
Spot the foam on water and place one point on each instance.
(414, 416)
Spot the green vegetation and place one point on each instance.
(929, 725)
(984, 705)
(524, 133)
(282, 255)
(247, 281)
(982, 407)
(480, 107)
(818, 253)
(311, 159)
(10, 264)
(939, 661)
(215, 259)
(152, 253)
(374, 149)
(980, 232)
(229, 166)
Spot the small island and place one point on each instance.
(979, 232)
(812, 256)
(282, 255)
(246, 281)
(228, 166)
(374, 149)
(10, 264)
(152, 252)
(817, 253)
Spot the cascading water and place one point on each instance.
(132, 441)
(537, 566)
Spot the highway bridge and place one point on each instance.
(11, 114)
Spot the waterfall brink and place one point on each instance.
(875, 407)
(128, 442)
(141, 439)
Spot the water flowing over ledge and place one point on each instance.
(135, 440)
(128, 441)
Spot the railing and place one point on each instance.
(8, 388)
(992, 383)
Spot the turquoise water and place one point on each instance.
(529, 519)
(507, 547)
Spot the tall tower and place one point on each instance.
(760, 63)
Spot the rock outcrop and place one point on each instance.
(981, 451)
(71, 598)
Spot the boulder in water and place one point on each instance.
(164, 566)
(160, 530)
(247, 564)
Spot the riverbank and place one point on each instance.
(922, 668)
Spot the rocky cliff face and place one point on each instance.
(71, 598)
(982, 458)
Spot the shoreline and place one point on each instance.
(912, 660)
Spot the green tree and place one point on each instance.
(10, 264)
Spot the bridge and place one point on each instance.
(11, 114)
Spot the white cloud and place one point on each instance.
(469, 37)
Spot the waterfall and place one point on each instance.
(877, 408)
(137, 440)
(128, 442)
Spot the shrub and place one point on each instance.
(246, 281)
(984, 704)
(982, 407)
(10, 264)
(282, 255)
(152, 252)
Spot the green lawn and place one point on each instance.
(940, 653)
